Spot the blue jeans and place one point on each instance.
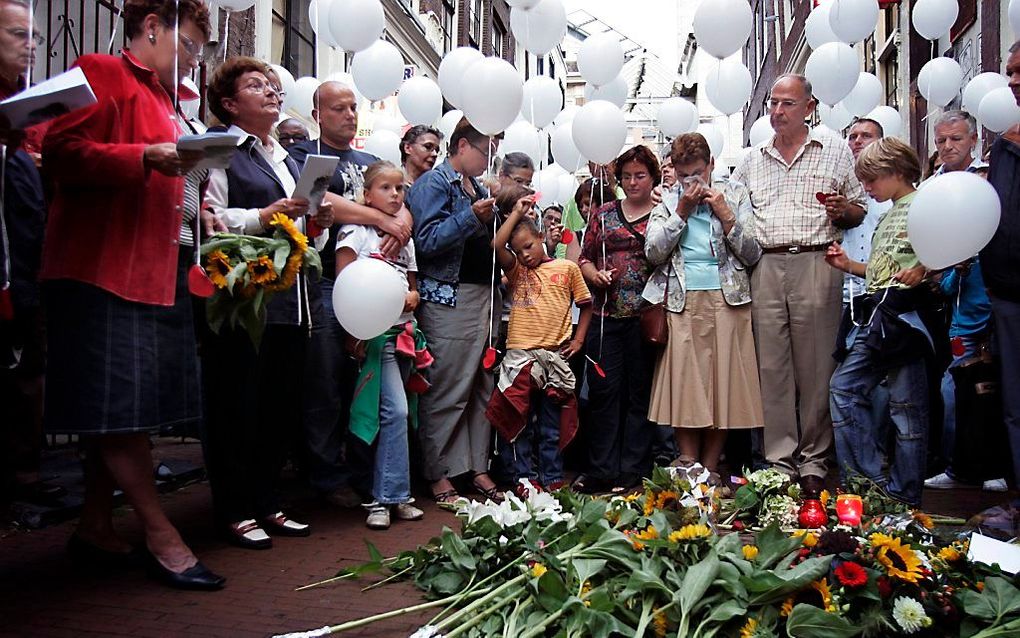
(856, 431)
(1007, 332)
(392, 473)
(541, 432)
(971, 344)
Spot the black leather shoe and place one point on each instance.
(39, 493)
(86, 555)
(196, 577)
(811, 486)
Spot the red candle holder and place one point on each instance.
(812, 514)
(849, 509)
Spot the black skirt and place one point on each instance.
(116, 366)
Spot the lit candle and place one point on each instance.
(849, 509)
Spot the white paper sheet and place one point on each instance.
(219, 148)
(44, 101)
(987, 550)
(315, 178)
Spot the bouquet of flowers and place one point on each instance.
(767, 497)
(248, 270)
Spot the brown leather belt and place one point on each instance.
(794, 250)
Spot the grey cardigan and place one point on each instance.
(737, 251)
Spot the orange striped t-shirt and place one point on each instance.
(540, 303)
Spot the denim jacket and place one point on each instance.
(443, 220)
(736, 251)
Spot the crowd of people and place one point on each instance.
(778, 317)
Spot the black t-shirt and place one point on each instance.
(476, 263)
(348, 182)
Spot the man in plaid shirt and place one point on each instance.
(804, 193)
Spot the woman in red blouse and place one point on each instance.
(122, 359)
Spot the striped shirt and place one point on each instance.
(540, 303)
(783, 196)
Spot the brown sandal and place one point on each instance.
(447, 497)
(492, 493)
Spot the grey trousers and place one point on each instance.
(455, 435)
(795, 308)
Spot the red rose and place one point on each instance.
(851, 574)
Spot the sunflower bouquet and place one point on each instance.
(247, 270)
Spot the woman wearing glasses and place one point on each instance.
(419, 150)
(254, 397)
(122, 360)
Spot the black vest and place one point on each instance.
(252, 183)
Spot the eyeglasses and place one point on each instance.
(786, 104)
(492, 149)
(22, 34)
(429, 147)
(298, 137)
(192, 48)
(523, 181)
(258, 86)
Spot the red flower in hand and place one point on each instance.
(851, 574)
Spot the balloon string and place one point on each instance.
(113, 34)
(31, 35)
(226, 35)
(605, 260)
(492, 282)
(318, 67)
(3, 220)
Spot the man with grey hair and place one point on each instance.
(803, 193)
(956, 137)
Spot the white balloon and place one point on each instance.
(722, 26)
(348, 81)
(492, 96)
(600, 58)
(235, 5)
(853, 20)
(190, 107)
(889, 118)
(567, 187)
(387, 123)
(939, 80)
(566, 115)
(384, 144)
(356, 24)
(998, 110)
(318, 19)
(835, 117)
(728, 87)
(677, 116)
(542, 100)
(449, 122)
(615, 92)
(523, 4)
(933, 18)
(286, 83)
(521, 137)
(833, 70)
(420, 100)
(300, 98)
(714, 136)
(452, 69)
(368, 297)
(599, 131)
(978, 88)
(761, 131)
(1014, 16)
(548, 187)
(377, 70)
(540, 28)
(817, 29)
(952, 218)
(865, 96)
(564, 150)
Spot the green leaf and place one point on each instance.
(807, 621)
(373, 553)
(697, 581)
(1009, 630)
(447, 583)
(642, 581)
(773, 544)
(999, 599)
(457, 551)
(746, 499)
(727, 611)
(280, 257)
(585, 568)
(235, 273)
(552, 592)
(770, 587)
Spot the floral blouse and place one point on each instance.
(608, 243)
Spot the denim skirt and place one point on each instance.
(116, 366)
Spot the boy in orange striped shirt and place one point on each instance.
(534, 377)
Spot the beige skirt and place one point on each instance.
(707, 375)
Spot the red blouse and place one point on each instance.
(113, 223)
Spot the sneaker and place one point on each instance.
(378, 517)
(945, 482)
(995, 485)
(407, 512)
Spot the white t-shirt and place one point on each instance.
(365, 241)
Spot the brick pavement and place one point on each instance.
(41, 596)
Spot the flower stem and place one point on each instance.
(361, 622)
(539, 629)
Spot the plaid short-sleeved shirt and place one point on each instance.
(786, 211)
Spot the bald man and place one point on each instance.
(795, 294)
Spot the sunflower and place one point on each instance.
(899, 561)
(289, 273)
(649, 534)
(824, 497)
(749, 628)
(665, 498)
(810, 539)
(537, 570)
(817, 594)
(287, 225)
(949, 554)
(750, 551)
(659, 623)
(923, 519)
(217, 264)
(880, 540)
(649, 502)
(690, 533)
(262, 271)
